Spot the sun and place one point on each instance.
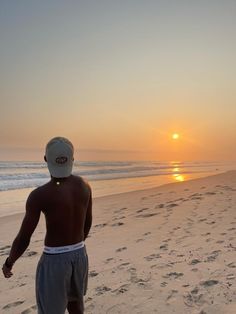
(175, 136)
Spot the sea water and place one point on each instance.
(17, 179)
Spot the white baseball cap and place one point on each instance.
(59, 154)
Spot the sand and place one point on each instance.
(171, 249)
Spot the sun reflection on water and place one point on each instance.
(177, 176)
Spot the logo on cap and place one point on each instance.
(61, 160)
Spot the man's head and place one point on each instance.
(59, 157)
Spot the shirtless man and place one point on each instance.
(66, 201)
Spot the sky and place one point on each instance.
(118, 78)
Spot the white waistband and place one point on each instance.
(63, 249)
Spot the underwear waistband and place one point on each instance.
(63, 249)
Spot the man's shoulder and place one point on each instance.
(82, 182)
(38, 192)
(80, 179)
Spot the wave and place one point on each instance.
(20, 175)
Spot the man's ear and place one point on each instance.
(45, 158)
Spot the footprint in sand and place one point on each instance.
(120, 210)
(5, 253)
(220, 241)
(109, 259)
(142, 210)
(163, 284)
(212, 257)
(202, 219)
(117, 224)
(231, 229)
(195, 194)
(197, 198)
(121, 249)
(171, 295)
(5, 250)
(230, 277)
(164, 247)
(232, 265)
(119, 218)
(209, 283)
(194, 298)
(143, 198)
(194, 261)
(122, 289)
(142, 239)
(30, 310)
(211, 222)
(172, 205)
(100, 225)
(141, 282)
(102, 289)
(123, 265)
(14, 304)
(5, 247)
(160, 206)
(205, 234)
(152, 257)
(173, 275)
(146, 215)
(139, 240)
(167, 240)
(93, 273)
(176, 228)
(30, 253)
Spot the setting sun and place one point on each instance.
(175, 136)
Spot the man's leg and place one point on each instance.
(79, 281)
(51, 285)
(75, 307)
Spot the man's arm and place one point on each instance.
(22, 239)
(88, 220)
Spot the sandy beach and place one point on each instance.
(170, 249)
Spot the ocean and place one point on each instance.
(17, 179)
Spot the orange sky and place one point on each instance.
(118, 78)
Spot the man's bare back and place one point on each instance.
(66, 204)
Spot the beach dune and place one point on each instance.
(170, 249)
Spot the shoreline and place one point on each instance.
(23, 193)
(174, 184)
(127, 193)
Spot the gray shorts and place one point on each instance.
(61, 278)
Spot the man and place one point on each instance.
(66, 201)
